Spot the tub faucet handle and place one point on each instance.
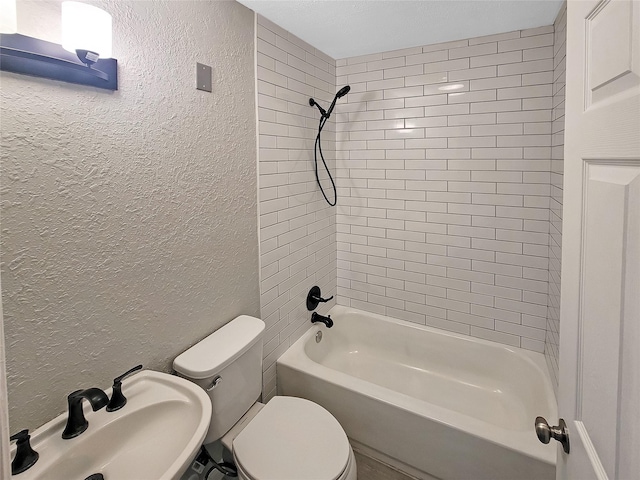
(314, 297)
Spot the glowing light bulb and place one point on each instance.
(8, 21)
(85, 27)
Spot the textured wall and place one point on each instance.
(297, 226)
(5, 459)
(444, 178)
(129, 219)
(555, 206)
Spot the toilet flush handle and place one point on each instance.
(216, 381)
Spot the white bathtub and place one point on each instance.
(430, 402)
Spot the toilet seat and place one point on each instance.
(292, 439)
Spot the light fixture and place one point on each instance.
(86, 34)
(8, 22)
(86, 31)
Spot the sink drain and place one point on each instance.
(95, 476)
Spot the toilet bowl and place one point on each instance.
(292, 438)
(288, 438)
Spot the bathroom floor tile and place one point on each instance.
(371, 469)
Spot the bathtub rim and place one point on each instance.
(532, 356)
(521, 442)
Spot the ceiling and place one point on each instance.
(346, 28)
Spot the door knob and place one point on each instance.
(546, 433)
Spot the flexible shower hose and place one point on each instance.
(318, 147)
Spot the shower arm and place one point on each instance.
(323, 112)
(327, 113)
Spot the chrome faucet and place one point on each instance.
(76, 423)
(316, 317)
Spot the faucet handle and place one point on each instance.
(118, 400)
(314, 298)
(26, 456)
(127, 373)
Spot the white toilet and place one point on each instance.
(288, 438)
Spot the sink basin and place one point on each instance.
(155, 436)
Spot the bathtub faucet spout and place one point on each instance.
(316, 317)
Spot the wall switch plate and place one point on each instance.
(203, 77)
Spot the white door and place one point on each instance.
(599, 395)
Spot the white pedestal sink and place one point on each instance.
(155, 436)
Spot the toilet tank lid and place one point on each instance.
(210, 355)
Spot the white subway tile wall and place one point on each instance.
(449, 167)
(555, 206)
(448, 161)
(297, 227)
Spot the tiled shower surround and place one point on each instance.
(297, 227)
(449, 171)
(445, 154)
(555, 206)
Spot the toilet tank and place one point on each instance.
(230, 358)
